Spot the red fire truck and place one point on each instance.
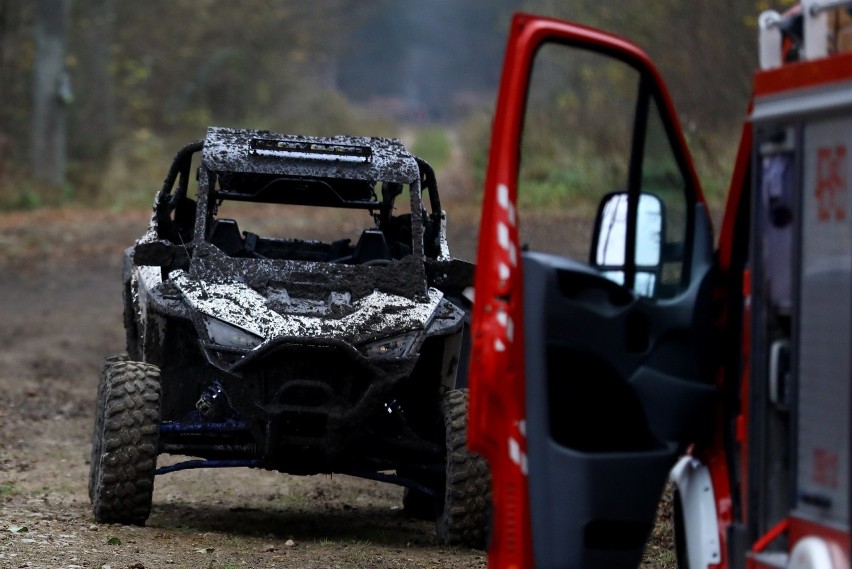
(623, 350)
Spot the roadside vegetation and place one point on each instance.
(134, 94)
(432, 143)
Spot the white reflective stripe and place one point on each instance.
(504, 271)
(504, 320)
(499, 346)
(503, 236)
(514, 450)
(503, 195)
(506, 244)
(505, 203)
(502, 317)
(517, 457)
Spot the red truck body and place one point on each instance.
(727, 371)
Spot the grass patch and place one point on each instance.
(567, 177)
(357, 552)
(433, 145)
(296, 501)
(20, 191)
(8, 489)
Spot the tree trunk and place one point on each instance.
(51, 91)
(92, 123)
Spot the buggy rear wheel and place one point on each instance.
(125, 441)
(463, 519)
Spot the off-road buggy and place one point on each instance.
(300, 356)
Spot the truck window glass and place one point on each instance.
(662, 177)
(575, 146)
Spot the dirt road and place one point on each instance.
(60, 302)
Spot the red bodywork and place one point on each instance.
(497, 379)
(497, 401)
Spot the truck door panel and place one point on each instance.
(615, 348)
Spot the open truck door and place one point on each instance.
(591, 368)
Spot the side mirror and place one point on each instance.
(160, 253)
(610, 244)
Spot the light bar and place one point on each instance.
(310, 150)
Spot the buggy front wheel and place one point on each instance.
(125, 441)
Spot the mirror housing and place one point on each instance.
(609, 248)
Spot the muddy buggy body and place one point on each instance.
(301, 356)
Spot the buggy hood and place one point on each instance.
(292, 299)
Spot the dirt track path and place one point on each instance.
(60, 303)
(60, 314)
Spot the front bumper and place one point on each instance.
(308, 396)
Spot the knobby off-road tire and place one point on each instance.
(467, 496)
(99, 422)
(124, 444)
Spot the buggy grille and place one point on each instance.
(325, 381)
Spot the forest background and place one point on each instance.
(97, 95)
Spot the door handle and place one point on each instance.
(779, 374)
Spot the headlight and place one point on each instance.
(228, 335)
(394, 347)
